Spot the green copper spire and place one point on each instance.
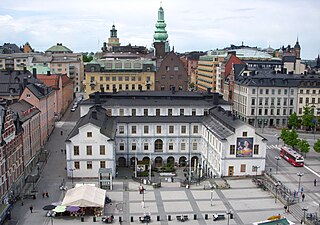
(160, 35)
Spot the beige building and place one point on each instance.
(309, 95)
(119, 75)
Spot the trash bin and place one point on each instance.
(120, 219)
(131, 218)
(158, 218)
(169, 218)
(195, 216)
(205, 216)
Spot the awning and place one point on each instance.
(85, 196)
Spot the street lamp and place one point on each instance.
(299, 175)
(229, 213)
(199, 173)
(256, 169)
(277, 158)
(38, 168)
(72, 169)
(304, 214)
(211, 197)
(277, 185)
(33, 182)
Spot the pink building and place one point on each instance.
(29, 116)
(63, 88)
(42, 97)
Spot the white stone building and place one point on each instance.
(163, 127)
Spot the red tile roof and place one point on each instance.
(51, 81)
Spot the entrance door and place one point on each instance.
(231, 170)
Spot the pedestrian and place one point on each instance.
(294, 194)
(43, 194)
(21, 202)
(61, 132)
(315, 182)
(285, 208)
(301, 190)
(47, 194)
(31, 208)
(303, 196)
(61, 150)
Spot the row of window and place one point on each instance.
(183, 129)
(313, 100)
(175, 68)
(266, 111)
(76, 165)
(243, 168)
(308, 91)
(120, 78)
(280, 101)
(273, 91)
(163, 77)
(159, 146)
(76, 150)
(119, 87)
(169, 112)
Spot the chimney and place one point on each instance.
(94, 114)
(173, 89)
(34, 72)
(216, 98)
(25, 82)
(48, 73)
(97, 98)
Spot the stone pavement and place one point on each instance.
(247, 202)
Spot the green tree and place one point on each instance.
(304, 146)
(307, 117)
(292, 138)
(316, 146)
(284, 135)
(293, 121)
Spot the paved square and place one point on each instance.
(173, 195)
(181, 206)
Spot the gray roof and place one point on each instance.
(156, 98)
(268, 78)
(96, 116)
(289, 58)
(222, 123)
(23, 106)
(39, 90)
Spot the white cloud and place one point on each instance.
(191, 25)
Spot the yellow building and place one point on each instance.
(119, 75)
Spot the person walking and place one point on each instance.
(303, 196)
(47, 195)
(315, 182)
(31, 208)
(43, 194)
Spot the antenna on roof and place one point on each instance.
(98, 44)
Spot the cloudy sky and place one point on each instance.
(83, 25)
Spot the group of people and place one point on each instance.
(45, 194)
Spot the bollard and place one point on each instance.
(158, 218)
(205, 216)
(82, 219)
(131, 218)
(120, 219)
(231, 215)
(94, 219)
(169, 218)
(195, 216)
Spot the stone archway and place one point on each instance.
(182, 161)
(158, 161)
(146, 160)
(170, 160)
(122, 162)
(194, 159)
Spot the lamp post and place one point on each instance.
(32, 182)
(256, 169)
(38, 168)
(229, 213)
(304, 214)
(199, 173)
(211, 197)
(142, 190)
(277, 158)
(275, 200)
(72, 169)
(299, 175)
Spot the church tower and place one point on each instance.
(113, 40)
(160, 36)
(297, 49)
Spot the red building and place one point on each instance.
(11, 155)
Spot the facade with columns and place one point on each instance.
(129, 128)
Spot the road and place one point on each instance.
(287, 173)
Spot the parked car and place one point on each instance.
(218, 216)
(73, 109)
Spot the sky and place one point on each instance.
(83, 25)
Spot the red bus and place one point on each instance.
(291, 156)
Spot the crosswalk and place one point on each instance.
(273, 147)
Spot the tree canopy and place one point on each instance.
(307, 118)
(303, 146)
(316, 146)
(294, 121)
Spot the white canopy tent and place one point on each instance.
(85, 196)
